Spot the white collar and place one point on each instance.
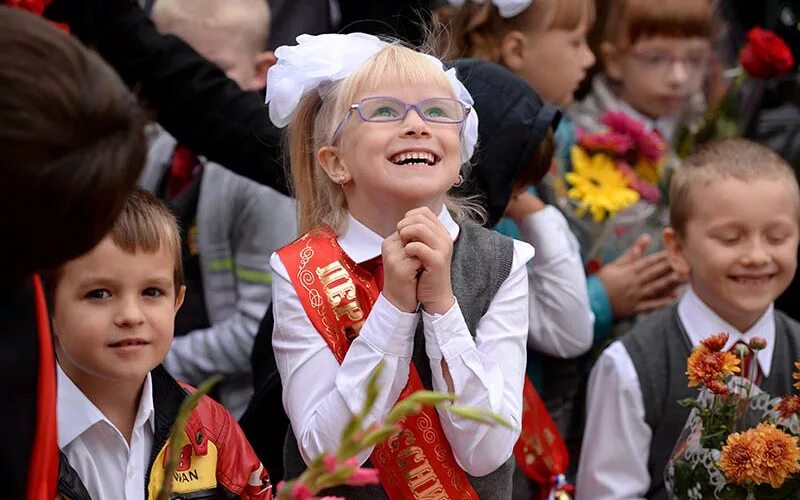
(361, 243)
(700, 322)
(76, 413)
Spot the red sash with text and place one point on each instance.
(337, 296)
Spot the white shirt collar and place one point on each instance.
(76, 413)
(361, 243)
(700, 322)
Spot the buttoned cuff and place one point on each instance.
(390, 330)
(446, 335)
(548, 231)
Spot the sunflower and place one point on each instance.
(598, 185)
(706, 366)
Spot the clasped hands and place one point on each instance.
(416, 264)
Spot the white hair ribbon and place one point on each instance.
(319, 60)
(507, 8)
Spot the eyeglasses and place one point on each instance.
(663, 62)
(389, 109)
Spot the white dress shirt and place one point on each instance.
(320, 396)
(108, 467)
(616, 442)
(561, 319)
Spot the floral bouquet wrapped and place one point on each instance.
(739, 442)
(612, 186)
(764, 56)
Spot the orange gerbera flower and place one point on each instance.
(780, 457)
(705, 366)
(739, 460)
(788, 406)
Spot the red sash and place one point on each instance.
(337, 296)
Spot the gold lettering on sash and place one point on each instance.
(419, 473)
(340, 291)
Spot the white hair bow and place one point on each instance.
(507, 8)
(319, 60)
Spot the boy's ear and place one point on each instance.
(179, 297)
(674, 244)
(264, 61)
(512, 50)
(612, 60)
(330, 158)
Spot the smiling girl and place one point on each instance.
(391, 271)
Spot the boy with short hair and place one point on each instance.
(230, 224)
(734, 232)
(113, 314)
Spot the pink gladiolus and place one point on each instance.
(363, 477)
(330, 463)
(301, 492)
(332, 498)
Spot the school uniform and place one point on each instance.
(634, 419)
(481, 338)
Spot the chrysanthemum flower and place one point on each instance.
(788, 406)
(706, 366)
(597, 184)
(780, 457)
(740, 460)
(758, 343)
(716, 342)
(796, 374)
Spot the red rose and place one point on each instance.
(765, 55)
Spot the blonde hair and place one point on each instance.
(730, 158)
(247, 19)
(629, 20)
(320, 201)
(477, 30)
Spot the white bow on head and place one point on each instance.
(507, 8)
(319, 60)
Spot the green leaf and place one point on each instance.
(480, 415)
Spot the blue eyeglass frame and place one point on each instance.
(406, 108)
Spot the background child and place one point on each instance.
(230, 224)
(655, 58)
(734, 215)
(372, 177)
(113, 314)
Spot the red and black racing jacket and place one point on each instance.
(216, 460)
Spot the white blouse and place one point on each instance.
(320, 396)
